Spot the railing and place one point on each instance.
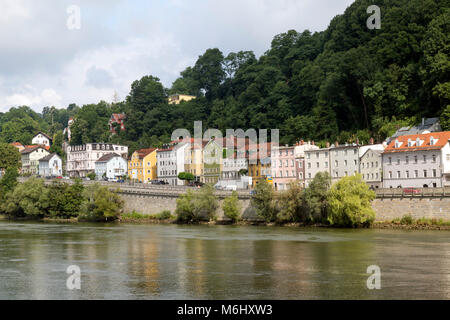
(413, 192)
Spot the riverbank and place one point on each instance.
(422, 224)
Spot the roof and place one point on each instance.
(17, 144)
(29, 149)
(108, 157)
(142, 153)
(118, 116)
(441, 137)
(427, 124)
(49, 157)
(45, 135)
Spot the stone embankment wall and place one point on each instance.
(388, 205)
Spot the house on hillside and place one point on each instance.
(117, 119)
(50, 166)
(30, 158)
(111, 166)
(42, 139)
(142, 165)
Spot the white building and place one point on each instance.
(41, 139)
(316, 161)
(81, 159)
(50, 166)
(111, 166)
(30, 159)
(417, 161)
(171, 162)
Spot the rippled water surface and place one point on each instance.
(219, 262)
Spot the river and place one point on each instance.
(219, 262)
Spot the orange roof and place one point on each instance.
(17, 144)
(440, 138)
(142, 153)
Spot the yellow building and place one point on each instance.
(142, 166)
(260, 165)
(194, 159)
(177, 98)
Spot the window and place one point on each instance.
(415, 159)
(390, 160)
(345, 162)
(318, 165)
(390, 174)
(434, 158)
(407, 174)
(448, 157)
(398, 161)
(416, 173)
(309, 165)
(326, 164)
(407, 159)
(434, 173)
(425, 173)
(399, 175)
(336, 163)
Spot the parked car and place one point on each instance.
(59, 177)
(252, 193)
(230, 188)
(66, 178)
(411, 190)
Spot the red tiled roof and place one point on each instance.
(142, 153)
(17, 144)
(441, 138)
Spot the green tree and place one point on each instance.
(28, 199)
(197, 206)
(65, 200)
(290, 203)
(445, 119)
(231, 207)
(101, 204)
(9, 157)
(350, 203)
(263, 201)
(8, 182)
(316, 198)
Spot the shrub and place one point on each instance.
(101, 204)
(291, 206)
(8, 182)
(231, 207)
(28, 199)
(165, 215)
(407, 220)
(316, 199)
(350, 203)
(263, 201)
(197, 206)
(65, 200)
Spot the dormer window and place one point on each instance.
(418, 142)
(433, 141)
(410, 143)
(397, 144)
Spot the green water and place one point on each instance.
(219, 262)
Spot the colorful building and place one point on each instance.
(142, 165)
(260, 164)
(177, 98)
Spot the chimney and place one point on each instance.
(357, 141)
(336, 144)
(313, 143)
(328, 144)
(372, 141)
(423, 122)
(302, 142)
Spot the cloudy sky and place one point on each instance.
(44, 62)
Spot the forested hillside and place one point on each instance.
(344, 83)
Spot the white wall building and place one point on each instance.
(171, 162)
(50, 166)
(417, 161)
(111, 166)
(30, 159)
(41, 139)
(81, 159)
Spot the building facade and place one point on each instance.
(344, 161)
(41, 139)
(117, 120)
(284, 169)
(142, 165)
(371, 168)
(81, 159)
(111, 167)
(418, 161)
(30, 159)
(316, 161)
(171, 162)
(50, 166)
(177, 98)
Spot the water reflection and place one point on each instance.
(190, 262)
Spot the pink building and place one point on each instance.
(284, 168)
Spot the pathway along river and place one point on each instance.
(219, 262)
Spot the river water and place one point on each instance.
(219, 262)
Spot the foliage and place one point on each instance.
(8, 182)
(406, 220)
(186, 176)
(231, 207)
(9, 157)
(101, 204)
(30, 198)
(65, 200)
(316, 198)
(197, 206)
(291, 204)
(263, 201)
(445, 119)
(350, 203)
(91, 176)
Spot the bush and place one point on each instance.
(65, 200)
(30, 198)
(197, 206)
(231, 207)
(101, 204)
(263, 201)
(407, 220)
(350, 203)
(91, 176)
(8, 182)
(291, 204)
(316, 199)
(165, 215)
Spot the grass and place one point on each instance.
(409, 220)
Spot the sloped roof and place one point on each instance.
(49, 157)
(45, 135)
(108, 157)
(29, 149)
(441, 137)
(142, 153)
